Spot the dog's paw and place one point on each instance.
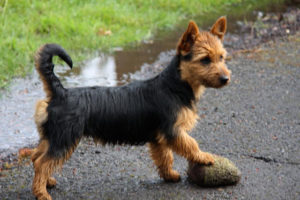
(172, 176)
(207, 159)
(44, 196)
(51, 182)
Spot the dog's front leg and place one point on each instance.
(186, 146)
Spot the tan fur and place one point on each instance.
(44, 166)
(198, 91)
(41, 114)
(163, 159)
(42, 170)
(199, 76)
(200, 45)
(186, 146)
(51, 182)
(186, 119)
(219, 28)
(40, 150)
(187, 39)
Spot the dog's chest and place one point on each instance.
(186, 119)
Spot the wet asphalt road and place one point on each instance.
(255, 122)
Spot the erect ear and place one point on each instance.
(188, 39)
(219, 28)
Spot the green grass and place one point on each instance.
(27, 24)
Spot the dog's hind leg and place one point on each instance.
(44, 166)
(163, 159)
(40, 117)
(41, 150)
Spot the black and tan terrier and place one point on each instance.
(160, 111)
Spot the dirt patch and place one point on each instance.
(268, 26)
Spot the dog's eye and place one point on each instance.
(206, 60)
(221, 57)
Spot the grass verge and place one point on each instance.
(85, 26)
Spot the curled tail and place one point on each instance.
(44, 66)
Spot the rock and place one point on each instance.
(222, 172)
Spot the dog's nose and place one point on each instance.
(224, 79)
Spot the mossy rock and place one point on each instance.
(223, 172)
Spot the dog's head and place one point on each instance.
(203, 56)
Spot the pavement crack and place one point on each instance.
(271, 160)
(267, 160)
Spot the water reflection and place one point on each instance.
(98, 71)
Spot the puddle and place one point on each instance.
(17, 127)
(98, 71)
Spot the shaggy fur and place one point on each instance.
(159, 111)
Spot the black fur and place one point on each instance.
(45, 66)
(131, 114)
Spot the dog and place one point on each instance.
(159, 112)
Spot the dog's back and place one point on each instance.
(132, 114)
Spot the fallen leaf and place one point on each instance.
(24, 153)
(103, 32)
(7, 165)
(274, 137)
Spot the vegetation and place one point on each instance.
(85, 26)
